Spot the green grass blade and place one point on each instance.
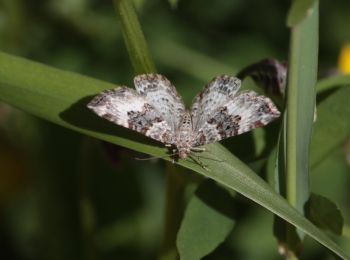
(296, 133)
(332, 82)
(299, 11)
(61, 97)
(302, 77)
(134, 39)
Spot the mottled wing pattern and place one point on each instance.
(216, 94)
(124, 106)
(246, 111)
(160, 93)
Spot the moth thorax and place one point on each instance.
(184, 136)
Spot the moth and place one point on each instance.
(155, 109)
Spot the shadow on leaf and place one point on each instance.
(80, 116)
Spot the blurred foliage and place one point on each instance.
(67, 196)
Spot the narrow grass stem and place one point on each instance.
(300, 108)
(174, 208)
(135, 41)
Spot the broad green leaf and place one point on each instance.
(207, 222)
(324, 214)
(332, 82)
(61, 98)
(332, 126)
(299, 11)
(134, 38)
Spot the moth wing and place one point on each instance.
(125, 107)
(215, 94)
(246, 111)
(161, 94)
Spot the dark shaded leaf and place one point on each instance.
(324, 214)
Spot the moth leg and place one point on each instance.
(199, 162)
(198, 149)
(174, 154)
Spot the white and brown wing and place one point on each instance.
(161, 94)
(124, 106)
(241, 113)
(215, 94)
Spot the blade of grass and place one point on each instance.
(61, 98)
(134, 39)
(333, 82)
(299, 11)
(302, 75)
(300, 106)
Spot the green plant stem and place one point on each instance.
(135, 42)
(87, 213)
(174, 209)
(300, 108)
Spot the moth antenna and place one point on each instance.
(146, 159)
(199, 162)
(155, 157)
